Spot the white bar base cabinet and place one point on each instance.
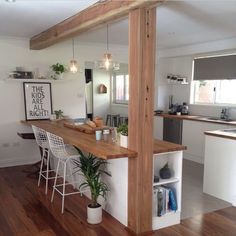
(175, 161)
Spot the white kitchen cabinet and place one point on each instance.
(194, 139)
(220, 168)
(158, 127)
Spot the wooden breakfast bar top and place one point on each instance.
(102, 149)
(85, 142)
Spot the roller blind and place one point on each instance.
(215, 68)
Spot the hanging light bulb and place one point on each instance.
(73, 62)
(107, 60)
(73, 66)
(107, 56)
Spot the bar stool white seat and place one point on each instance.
(42, 141)
(58, 148)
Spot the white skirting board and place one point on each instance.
(18, 162)
(194, 158)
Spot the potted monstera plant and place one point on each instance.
(92, 168)
(123, 132)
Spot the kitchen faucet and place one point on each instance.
(224, 114)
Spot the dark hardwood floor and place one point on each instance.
(26, 211)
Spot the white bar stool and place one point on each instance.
(42, 141)
(58, 149)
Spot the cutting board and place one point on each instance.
(84, 128)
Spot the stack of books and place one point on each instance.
(164, 200)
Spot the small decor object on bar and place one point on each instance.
(165, 172)
(92, 168)
(123, 131)
(59, 114)
(38, 100)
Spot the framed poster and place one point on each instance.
(38, 100)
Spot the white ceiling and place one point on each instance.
(26, 18)
(179, 23)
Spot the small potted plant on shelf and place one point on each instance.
(59, 70)
(58, 114)
(122, 130)
(92, 168)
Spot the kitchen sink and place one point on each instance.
(230, 131)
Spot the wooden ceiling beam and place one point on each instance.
(97, 14)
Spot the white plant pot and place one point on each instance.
(94, 215)
(58, 76)
(123, 141)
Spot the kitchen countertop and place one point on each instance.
(221, 134)
(197, 118)
(102, 149)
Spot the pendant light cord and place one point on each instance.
(73, 49)
(107, 40)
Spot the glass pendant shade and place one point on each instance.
(73, 62)
(107, 60)
(107, 56)
(73, 66)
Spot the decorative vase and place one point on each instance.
(123, 141)
(94, 214)
(165, 172)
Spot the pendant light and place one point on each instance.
(107, 56)
(73, 62)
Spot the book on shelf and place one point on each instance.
(164, 200)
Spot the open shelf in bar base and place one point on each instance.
(175, 161)
(171, 218)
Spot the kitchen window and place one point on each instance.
(215, 92)
(214, 80)
(121, 88)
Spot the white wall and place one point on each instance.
(101, 102)
(67, 95)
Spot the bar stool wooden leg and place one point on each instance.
(107, 119)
